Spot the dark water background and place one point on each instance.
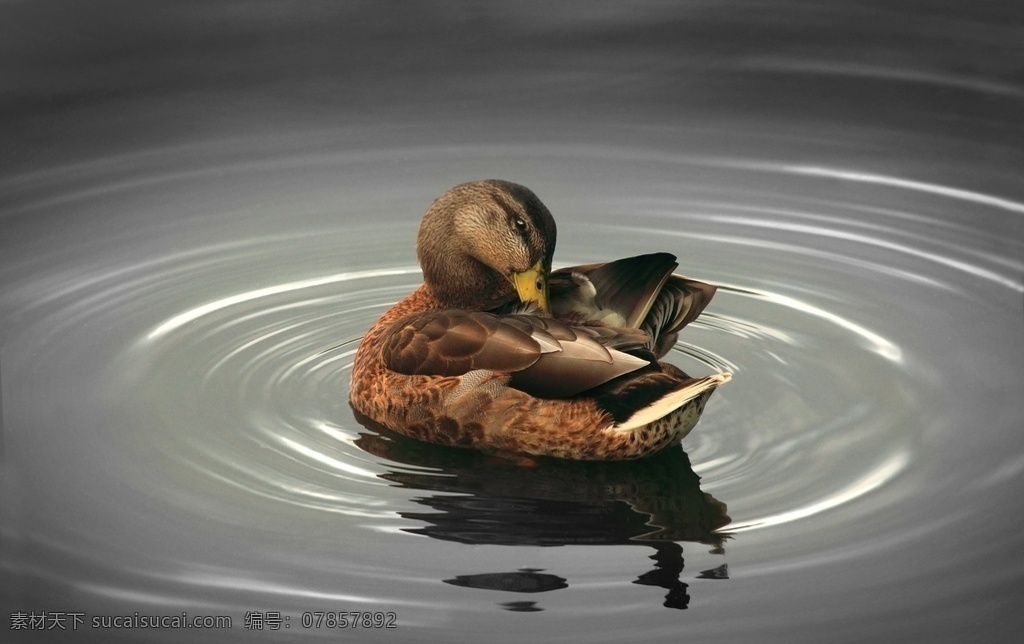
(203, 205)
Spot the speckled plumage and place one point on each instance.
(457, 362)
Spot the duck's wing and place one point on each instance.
(545, 357)
(624, 289)
(680, 301)
(636, 292)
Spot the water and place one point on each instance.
(204, 208)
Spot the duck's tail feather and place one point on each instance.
(671, 401)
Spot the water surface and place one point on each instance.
(204, 208)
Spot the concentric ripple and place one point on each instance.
(198, 372)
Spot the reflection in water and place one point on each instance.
(522, 607)
(485, 499)
(525, 580)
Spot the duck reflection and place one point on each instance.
(653, 502)
(526, 580)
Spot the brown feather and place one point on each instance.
(548, 358)
(451, 343)
(680, 301)
(629, 286)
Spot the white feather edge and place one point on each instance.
(671, 402)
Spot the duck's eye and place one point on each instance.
(520, 224)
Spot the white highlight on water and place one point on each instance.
(191, 315)
(873, 480)
(909, 184)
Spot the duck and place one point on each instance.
(494, 351)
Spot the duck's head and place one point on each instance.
(485, 241)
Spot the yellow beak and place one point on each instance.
(532, 286)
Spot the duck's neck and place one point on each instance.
(454, 275)
(465, 283)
